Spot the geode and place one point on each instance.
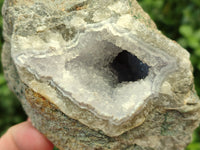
(98, 74)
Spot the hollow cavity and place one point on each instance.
(128, 67)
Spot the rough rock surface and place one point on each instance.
(97, 74)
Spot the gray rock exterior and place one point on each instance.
(97, 74)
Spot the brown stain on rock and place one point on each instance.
(39, 102)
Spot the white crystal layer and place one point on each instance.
(80, 70)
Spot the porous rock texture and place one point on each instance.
(97, 74)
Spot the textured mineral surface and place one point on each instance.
(97, 74)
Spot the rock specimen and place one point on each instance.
(97, 74)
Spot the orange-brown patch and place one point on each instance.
(38, 101)
(79, 8)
